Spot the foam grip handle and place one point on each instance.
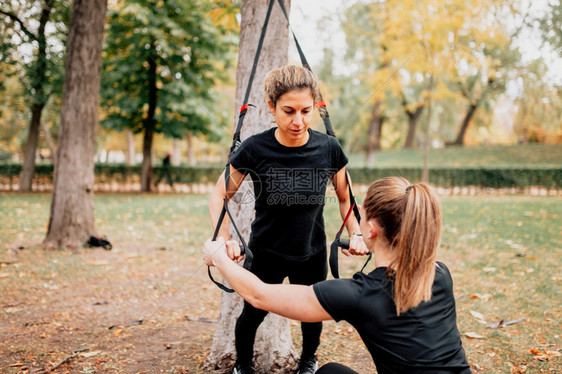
(343, 243)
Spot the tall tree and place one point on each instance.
(38, 26)
(402, 43)
(72, 217)
(274, 351)
(161, 60)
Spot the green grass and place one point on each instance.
(504, 253)
(527, 155)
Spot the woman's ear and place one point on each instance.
(374, 229)
(271, 106)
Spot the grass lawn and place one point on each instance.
(504, 253)
(521, 156)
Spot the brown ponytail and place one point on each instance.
(410, 217)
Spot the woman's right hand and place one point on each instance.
(214, 249)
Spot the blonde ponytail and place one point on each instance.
(411, 220)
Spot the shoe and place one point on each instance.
(308, 365)
(243, 369)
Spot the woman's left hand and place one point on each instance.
(356, 246)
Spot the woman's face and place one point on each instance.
(293, 113)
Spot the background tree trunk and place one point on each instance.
(50, 143)
(274, 352)
(40, 99)
(176, 152)
(72, 209)
(375, 132)
(146, 174)
(413, 118)
(30, 148)
(465, 122)
(130, 160)
(190, 151)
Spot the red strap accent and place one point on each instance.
(244, 107)
(347, 216)
(320, 104)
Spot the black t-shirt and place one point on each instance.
(425, 339)
(290, 188)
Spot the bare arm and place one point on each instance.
(292, 301)
(216, 200)
(356, 245)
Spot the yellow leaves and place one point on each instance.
(225, 16)
(473, 335)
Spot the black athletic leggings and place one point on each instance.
(274, 269)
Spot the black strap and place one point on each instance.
(334, 247)
(244, 108)
(235, 144)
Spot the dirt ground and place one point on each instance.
(78, 312)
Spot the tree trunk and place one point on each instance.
(176, 152)
(375, 132)
(190, 151)
(72, 209)
(273, 349)
(146, 176)
(50, 143)
(28, 167)
(413, 118)
(427, 140)
(465, 122)
(38, 80)
(130, 160)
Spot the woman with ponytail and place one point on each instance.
(404, 310)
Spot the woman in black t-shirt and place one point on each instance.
(404, 310)
(290, 166)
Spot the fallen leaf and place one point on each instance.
(473, 335)
(484, 297)
(476, 314)
(90, 354)
(553, 353)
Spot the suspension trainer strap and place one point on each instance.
(236, 138)
(235, 144)
(334, 247)
(321, 105)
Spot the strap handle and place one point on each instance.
(334, 247)
(245, 250)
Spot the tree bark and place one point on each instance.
(50, 143)
(413, 117)
(30, 148)
(146, 176)
(130, 160)
(190, 151)
(273, 349)
(375, 132)
(72, 209)
(176, 152)
(38, 81)
(465, 123)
